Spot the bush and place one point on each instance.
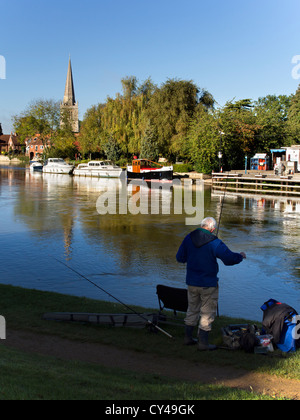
(185, 167)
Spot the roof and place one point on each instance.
(278, 150)
(260, 156)
(15, 140)
(4, 138)
(295, 146)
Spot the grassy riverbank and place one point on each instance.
(32, 376)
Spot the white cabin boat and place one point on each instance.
(100, 169)
(36, 167)
(57, 166)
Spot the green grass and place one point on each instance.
(21, 373)
(34, 377)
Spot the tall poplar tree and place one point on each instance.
(294, 119)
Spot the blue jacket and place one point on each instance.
(200, 250)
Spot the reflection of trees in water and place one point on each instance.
(52, 205)
(46, 205)
(135, 238)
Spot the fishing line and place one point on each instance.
(118, 300)
(222, 204)
(219, 224)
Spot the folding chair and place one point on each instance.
(171, 298)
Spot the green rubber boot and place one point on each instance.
(188, 338)
(203, 344)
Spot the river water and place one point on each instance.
(48, 217)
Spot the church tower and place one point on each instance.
(69, 106)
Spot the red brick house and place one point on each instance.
(35, 147)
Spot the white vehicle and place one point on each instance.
(57, 166)
(100, 169)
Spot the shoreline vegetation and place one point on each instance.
(30, 375)
(178, 121)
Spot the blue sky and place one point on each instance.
(232, 48)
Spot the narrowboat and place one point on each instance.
(146, 170)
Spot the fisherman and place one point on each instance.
(200, 251)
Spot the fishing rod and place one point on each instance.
(118, 300)
(219, 224)
(222, 205)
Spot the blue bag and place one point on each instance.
(287, 342)
(280, 322)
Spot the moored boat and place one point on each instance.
(95, 168)
(57, 166)
(147, 170)
(36, 167)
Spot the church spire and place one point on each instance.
(69, 97)
(69, 107)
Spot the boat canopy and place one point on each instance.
(146, 164)
(101, 163)
(57, 160)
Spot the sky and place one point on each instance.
(232, 48)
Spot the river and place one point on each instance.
(48, 217)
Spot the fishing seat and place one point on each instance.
(171, 298)
(174, 299)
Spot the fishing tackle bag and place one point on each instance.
(281, 321)
(240, 336)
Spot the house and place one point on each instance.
(293, 157)
(10, 143)
(4, 138)
(14, 144)
(290, 155)
(36, 147)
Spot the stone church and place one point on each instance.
(69, 106)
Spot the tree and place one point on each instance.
(129, 84)
(271, 114)
(293, 125)
(149, 143)
(146, 89)
(112, 149)
(203, 142)
(171, 109)
(91, 134)
(238, 124)
(41, 117)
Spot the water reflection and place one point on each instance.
(128, 254)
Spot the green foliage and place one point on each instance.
(112, 149)
(239, 130)
(91, 133)
(44, 117)
(203, 142)
(168, 109)
(41, 116)
(176, 120)
(293, 125)
(183, 168)
(149, 143)
(271, 115)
